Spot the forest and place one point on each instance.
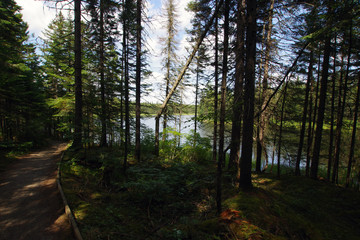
(267, 149)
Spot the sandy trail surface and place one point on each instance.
(30, 203)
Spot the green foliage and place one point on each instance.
(196, 148)
(21, 93)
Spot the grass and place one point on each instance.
(172, 200)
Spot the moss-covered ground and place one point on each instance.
(169, 200)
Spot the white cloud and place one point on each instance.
(156, 31)
(37, 15)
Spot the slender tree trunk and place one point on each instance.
(122, 92)
(78, 81)
(303, 124)
(238, 88)
(138, 79)
(340, 121)
(196, 99)
(332, 118)
(338, 124)
(248, 125)
(310, 128)
(321, 110)
(127, 109)
(103, 141)
(280, 132)
(353, 135)
(222, 108)
(264, 96)
(274, 147)
(216, 87)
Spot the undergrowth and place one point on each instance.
(174, 198)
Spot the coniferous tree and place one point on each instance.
(238, 88)
(21, 93)
(138, 77)
(78, 78)
(247, 139)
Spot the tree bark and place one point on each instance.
(248, 125)
(78, 81)
(303, 124)
(263, 118)
(280, 132)
(126, 83)
(103, 141)
(321, 110)
(138, 79)
(196, 99)
(341, 116)
(332, 117)
(238, 88)
(353, 135)
(216, 87)
(222, 108)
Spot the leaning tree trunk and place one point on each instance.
(181, 75)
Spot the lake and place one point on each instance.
(205, 130)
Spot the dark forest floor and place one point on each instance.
(177, 201)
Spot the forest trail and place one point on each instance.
(30, 203)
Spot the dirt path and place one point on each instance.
(30, 203)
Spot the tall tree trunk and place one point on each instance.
(274, 148)
(321, 110)
(216, 87)
(78, 81)
(353, 135)
(263, 116)
(196, 99)
(310, 127)
(181, 75)
(138, 79)
(303, 124)
(103, 141)
(338, 125)
(222, 107)
(238, 88)
(332, 118)
(248, 125)
(280, 132)
(126, 83)
(340, 120)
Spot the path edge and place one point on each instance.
(67, 208)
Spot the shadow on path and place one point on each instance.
(30, 203)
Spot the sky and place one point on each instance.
(38, 16)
